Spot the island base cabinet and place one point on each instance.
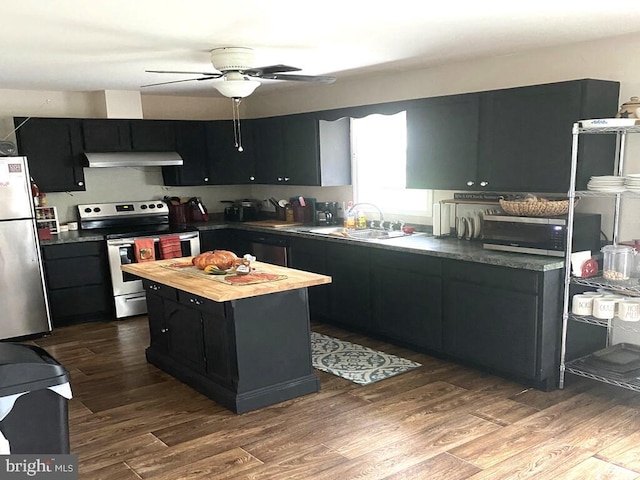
(243, 354)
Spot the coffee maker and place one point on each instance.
(326, 213)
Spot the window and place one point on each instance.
(379, 149)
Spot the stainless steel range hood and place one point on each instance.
(134, 159)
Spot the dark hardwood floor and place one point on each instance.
(128, 420)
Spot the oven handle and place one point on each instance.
(128, 242)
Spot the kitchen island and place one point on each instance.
(246, 346)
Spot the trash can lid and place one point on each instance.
(26, 368)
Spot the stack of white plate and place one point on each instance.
(632, 182)
(607, 183)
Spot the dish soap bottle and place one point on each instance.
(361, 221)
(350, 219)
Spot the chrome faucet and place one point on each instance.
(371, 205)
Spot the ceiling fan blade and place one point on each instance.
(300, 78)
(217, 75)
(179, 81)
(261, 71)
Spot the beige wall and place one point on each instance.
(612, 59)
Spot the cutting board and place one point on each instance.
(272, 223)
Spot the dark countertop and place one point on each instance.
(418, 243)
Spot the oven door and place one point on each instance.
(127, 289)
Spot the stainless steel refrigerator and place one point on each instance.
(24, 309)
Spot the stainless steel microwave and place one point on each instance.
(540, 236)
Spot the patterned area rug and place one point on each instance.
(356, 363)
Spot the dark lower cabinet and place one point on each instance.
(311, 256)
(350, 290)
(503, 319)
(406, 292)
(219, 239)
(78, 282)
(157, 295)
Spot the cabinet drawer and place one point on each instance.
(512, 279)
(75, 272)
(200, 303)
(160, 289)
(70, 250)
(87, 301)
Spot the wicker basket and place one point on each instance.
(536, 208)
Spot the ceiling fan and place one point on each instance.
(235, 67)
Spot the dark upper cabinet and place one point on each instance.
(191, 144)
(516, 139)
(526, 135)
(442, 142)
(153, 135)
(125, 135)
(269, 156)
(106, 135)
(53, 147)
(302, 150)
(231, 165)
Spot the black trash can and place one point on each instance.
(35, 422)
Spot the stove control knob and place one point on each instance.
(143, 207)
(152, 205)
(159, 205)
(87, 210)
(96, 209)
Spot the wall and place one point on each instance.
(608, 59)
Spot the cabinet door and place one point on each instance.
(491, 317)
(407, 297)
(152, 135)
(526, 137)
(301, 150)
(191, 144)
(268, 149)
(106, 135)
(231, 166)
(186, 343)
(158, 333)
(53, 147)
(310, 256)
(350, 291)
(442, 142)
(218, 240)
(217, 343)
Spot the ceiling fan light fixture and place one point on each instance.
(236, 88)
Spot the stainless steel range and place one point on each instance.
(121, 224)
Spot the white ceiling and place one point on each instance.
(88, 45)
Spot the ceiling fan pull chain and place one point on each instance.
(237, 132)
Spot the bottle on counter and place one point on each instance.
(361, 221)
(350, 217)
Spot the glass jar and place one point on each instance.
(618, 262)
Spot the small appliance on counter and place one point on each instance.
(540, 235)
(242, 210)
(326, 213)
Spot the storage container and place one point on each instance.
(618, 262)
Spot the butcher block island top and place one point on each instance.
(175, 274)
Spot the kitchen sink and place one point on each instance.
(365, 234)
